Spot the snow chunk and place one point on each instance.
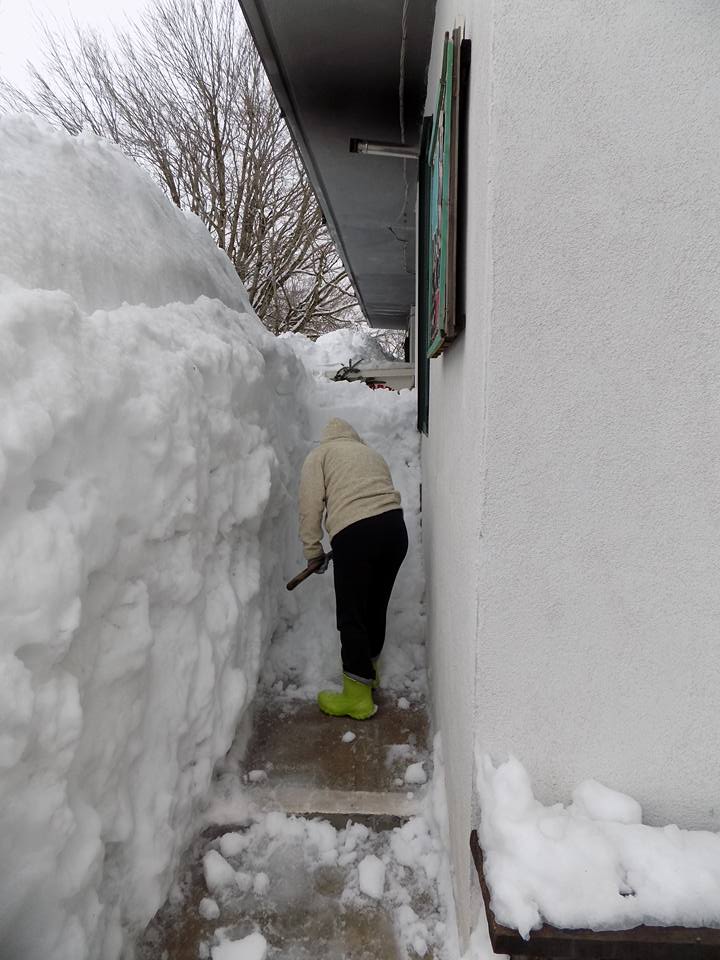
(348, 737)
(218, 872)
(253, 947)
(415, 773)
(371, 873)
(244, 881)
(209, 909)
(419, 945)
(257, 776)
(324, 837)
(261, 884)
(403, 703)
(233, 844)
(413, 845)
(355, 833)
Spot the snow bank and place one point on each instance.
(151, 436)
(148, 457)
(591, 864)
(337, 348)
(78, 216)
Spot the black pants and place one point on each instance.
(366, 558)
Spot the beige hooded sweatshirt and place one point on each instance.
(344, 479)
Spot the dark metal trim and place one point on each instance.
(461, 251)
(422, 370)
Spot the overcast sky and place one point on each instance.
(20, 38)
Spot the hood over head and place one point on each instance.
(338, 429)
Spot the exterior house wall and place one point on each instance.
(571, 473)
(454, 468)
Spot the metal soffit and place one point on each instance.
(344, 69)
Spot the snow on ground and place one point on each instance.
(151, 435)
(311, 867)
(299, 857)
(593, 863)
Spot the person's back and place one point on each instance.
(345, 478)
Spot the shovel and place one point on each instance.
(312, 567)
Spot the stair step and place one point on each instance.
(297, 761)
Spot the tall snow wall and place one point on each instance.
(151, 437)
(151, 433)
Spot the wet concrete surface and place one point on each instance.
(308, 923)
(297, 745)
(306, 763)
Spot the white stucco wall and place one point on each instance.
(572, 473)
(453, 470)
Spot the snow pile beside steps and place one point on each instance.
(591, 864)
(150, 441)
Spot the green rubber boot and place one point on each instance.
(355, 700)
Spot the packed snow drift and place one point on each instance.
(151, 436)
(338, 348)
(79, 217)
(591, 864)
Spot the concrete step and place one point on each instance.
(295, 745)
(300, 762)
(301, 917)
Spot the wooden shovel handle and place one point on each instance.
(304, 574)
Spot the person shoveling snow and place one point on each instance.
(349, 485)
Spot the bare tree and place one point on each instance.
(184, 93)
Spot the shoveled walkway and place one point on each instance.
(296, 880)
